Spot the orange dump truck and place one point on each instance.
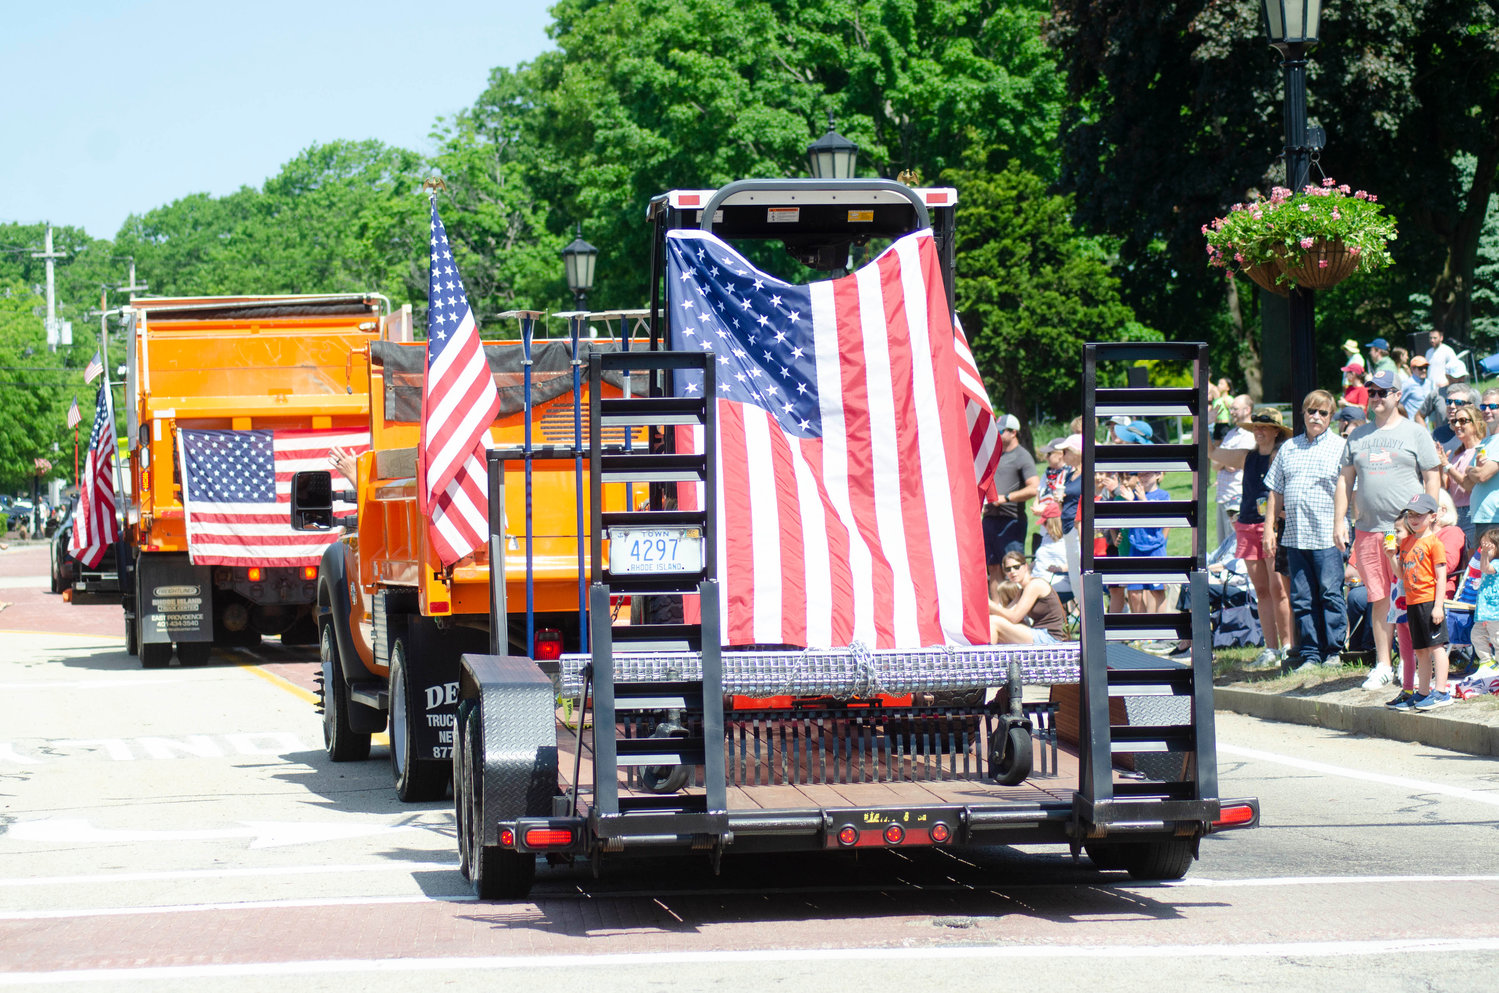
(226, 398)
(393, 621)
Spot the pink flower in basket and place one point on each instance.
(1308, 242)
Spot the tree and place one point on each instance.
(37, 389)
(1175, 113)
(1030, 291)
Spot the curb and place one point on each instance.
(1436, 730)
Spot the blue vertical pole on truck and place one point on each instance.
(575, 324)
(527, 331)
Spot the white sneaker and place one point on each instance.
(1268, 659)
(1380, 676)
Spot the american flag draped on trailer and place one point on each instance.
(459, 402)
(95, 526)
(847, 505)
(237, 494)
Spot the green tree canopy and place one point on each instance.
(38, 390)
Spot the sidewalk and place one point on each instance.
(1337, 700)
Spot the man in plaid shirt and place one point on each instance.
(1302, 481)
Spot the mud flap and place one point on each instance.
(174, 600)
(432, 659)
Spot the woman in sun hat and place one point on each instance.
(1270, 587)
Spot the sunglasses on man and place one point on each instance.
(1375, 393)
(1488, 406)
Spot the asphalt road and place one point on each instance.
(181, 829)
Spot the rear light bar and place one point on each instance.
(545, 834)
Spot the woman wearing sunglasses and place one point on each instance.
(1028, 612)
(1457, 475)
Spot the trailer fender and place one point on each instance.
(515, 772)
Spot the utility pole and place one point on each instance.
(50, 256)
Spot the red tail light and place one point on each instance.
(548, 838)
(309, 572)
(507, 838)
(848, 835)
(439, 607)
(1232, 814)
(894, 834)
(941, 833)
(255, 573)
(548, 645)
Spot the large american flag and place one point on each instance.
(459, 402)
(847, 505)
(236, 488)
(95, 526)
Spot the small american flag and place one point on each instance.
(75, 416)
(94, 367)
(95, 526)
(459, 402)
(237, 494)
(847, 505)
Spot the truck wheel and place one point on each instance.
(1013, 762)
(156, 655)
(497, 873)
(340, 741)
(194, 652)
(417, 780)
(132, 636)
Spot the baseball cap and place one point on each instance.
(1354, 414)
(1351, 367)
(1048, 509)
(1073, 442)
(1419, 360)
(1383, 380)
(1422, 503)
(1009, 422)
(1135, 433)
(1119, 419)
(1379, 343)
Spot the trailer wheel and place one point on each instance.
(463, 785)
(1106, 855)
(417, 780)
(1168, 859)
(1013, 762)
(156, 655)
(497, 873)
(340, 740)
(194, 652)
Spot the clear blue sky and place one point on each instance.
(113, 108)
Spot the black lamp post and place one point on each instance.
(1292, 28)
(832, 156)
(578, 259)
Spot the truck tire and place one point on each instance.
(132, 636)
(417, 780)
(340, 741)
(497, 873)
(194, 652)
(156, 655)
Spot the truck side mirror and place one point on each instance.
(312, 501)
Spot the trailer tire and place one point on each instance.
(1144, 860)
(497, 873)
(463, 785)
(340, 740)
(156, 655)
(417, 780)
(194, 652)
(1013, 763)
(1157, 860)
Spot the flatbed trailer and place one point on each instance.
(660, 740)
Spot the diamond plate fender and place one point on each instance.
(517, 774)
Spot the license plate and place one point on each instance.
(647, 550)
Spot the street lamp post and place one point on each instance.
(832, 156)
(578, 259)
(1292, 28)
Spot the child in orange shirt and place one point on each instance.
(1423, 567)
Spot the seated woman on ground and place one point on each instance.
(1034, 617)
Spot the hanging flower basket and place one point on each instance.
(1324, 265)
(1266, 273)
(1315, 238)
